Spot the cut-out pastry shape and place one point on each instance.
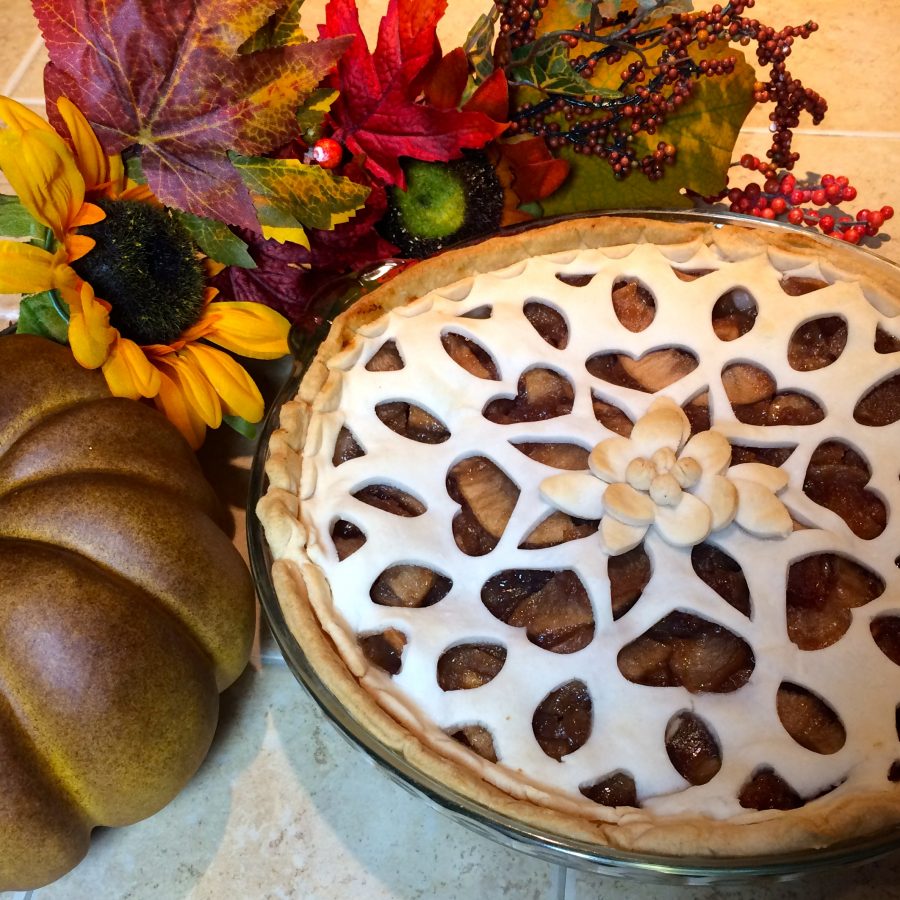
(634, 304)
(756, 400)
(470, 355)
(409, 585)
(386, 358)
(734, 314)
(692, 748)
(617, 789)
(652, 372)
(663, 478)
(384, 649)
(465, 667)
(563, 719)
(685, 650)
(487, 497)
(548, 322)
(541, 394)
(413, 422)
(552, 607)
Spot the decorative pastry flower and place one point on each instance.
(103, 233)
(664, 477)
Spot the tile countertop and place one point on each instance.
(283, 807)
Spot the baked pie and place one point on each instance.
(592, 522)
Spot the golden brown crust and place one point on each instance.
(301, 587)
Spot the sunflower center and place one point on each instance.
(146, 268)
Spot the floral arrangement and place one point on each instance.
(199, 149)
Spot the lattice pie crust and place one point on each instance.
(463, 557)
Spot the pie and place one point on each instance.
(591, 522)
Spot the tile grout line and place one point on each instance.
(825, 132)
(30, 55)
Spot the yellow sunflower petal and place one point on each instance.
(20, 118)
(171, 402)
(238, 392)
(78, 245)
(42, 171)
(92, 162)
(197, 390)
(248, 329)
(25, 269)
(129, 373)
(90, 334)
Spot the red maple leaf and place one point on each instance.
(380, 114)
(168, 75)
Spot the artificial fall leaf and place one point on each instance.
(282, 29)
(312, 195)
(378, 114)
(168, 76)
(536, 173)
(704, 131)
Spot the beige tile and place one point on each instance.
(851, 61)
(30, 89)
(17, 35)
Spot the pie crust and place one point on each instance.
(480, 291)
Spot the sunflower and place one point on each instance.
(131, 281)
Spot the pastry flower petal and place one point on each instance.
(577, 493)
(662, 477)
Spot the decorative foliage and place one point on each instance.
(170, 78)
(377, 114)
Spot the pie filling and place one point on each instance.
(610, 654)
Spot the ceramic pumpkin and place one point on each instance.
(124, 611)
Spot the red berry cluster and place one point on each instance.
(784, 198)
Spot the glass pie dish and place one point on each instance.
(530, 836)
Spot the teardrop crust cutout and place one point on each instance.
(487, 497)
(409, 586)
(413, 422)
(809, 720)
(563, 719)
(768, 790)
(617, 789)
(629, 573)
(384, 649)
(571, 457)
(346, 447)
(688, 651)
(880, 405)
(558, 528)
(634, 305)
(552, 607)
(470, 355)
(886, 632)
(468, 666)
(575, 280)
(693, 749)
(391, 499)
(548, 322)
(611, 416)
(386, 358)
(347, 538)
(723, 574)
(817, 344)
(734, 314)
(478, 739)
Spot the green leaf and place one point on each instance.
(282, 30)
(704, 131)
(134, 169)
(479, 46)
(241, 426)
(312, 195)
(312, 111)
(39, 314)
(17, 222)
(217, 241)
(547, 68)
